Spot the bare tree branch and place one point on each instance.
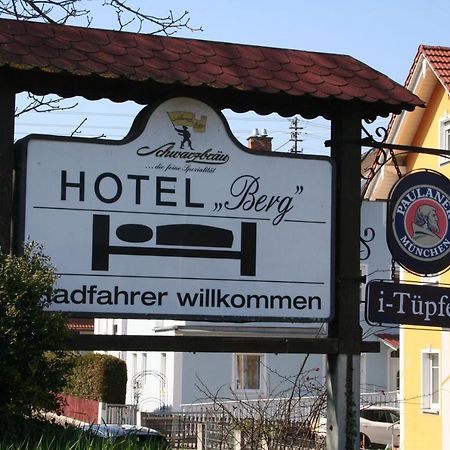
(51, 11)
(286, 419)
(65, 11)
(127, 14)
(168, 24)
(43, 104)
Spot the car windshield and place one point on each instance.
(380, 415)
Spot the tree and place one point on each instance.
(33, 365)
(126, 15)
(290, 417)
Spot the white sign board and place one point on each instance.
(179, 220)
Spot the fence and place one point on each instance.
(79, 408)
(296, 408)
(299, 408)
(214, 431)
(182, 430)
(278, 423)
(381, 399)
(118, 414)
(242, 425)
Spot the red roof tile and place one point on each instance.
(205, 64)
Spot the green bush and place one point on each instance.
(98, 377)
(33, 365)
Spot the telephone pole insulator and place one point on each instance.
(295, 136)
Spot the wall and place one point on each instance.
(421, 429)
(207, 375)
(376, 261)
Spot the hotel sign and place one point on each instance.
(180, 220)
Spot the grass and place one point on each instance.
(22, 434)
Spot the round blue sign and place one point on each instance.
(418, 231)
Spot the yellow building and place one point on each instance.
(425, 351)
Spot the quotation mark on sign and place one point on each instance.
(298, 190)
(217, 206)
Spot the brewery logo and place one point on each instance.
(182, 121)
(185, 125)
(418, 232)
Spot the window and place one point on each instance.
(144, 367)
(394, 372)
(248, 371)
(362, 292)
(393, 416)
(430, 380)
(444, 140)
(379, 414)
(134, 357)
(163, 369)
(430, 279)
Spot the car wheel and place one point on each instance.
(364, 441)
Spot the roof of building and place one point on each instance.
(81, 324)
(139, 66)
(390, 339)
(438, 58)
(431, 67)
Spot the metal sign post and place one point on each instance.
(343, 368)
(7, 107)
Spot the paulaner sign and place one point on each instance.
(179, 220)
(418, 233)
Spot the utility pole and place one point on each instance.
(295, 133)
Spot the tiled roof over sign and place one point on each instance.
(170, 61)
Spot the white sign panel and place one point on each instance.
(179, 220)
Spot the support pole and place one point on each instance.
(7, 110)
(343, 368)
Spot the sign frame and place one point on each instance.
(417, 304)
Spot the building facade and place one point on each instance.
(425, 351)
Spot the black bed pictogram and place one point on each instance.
(174, 240)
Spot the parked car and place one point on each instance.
(379, 425)
(142, 435)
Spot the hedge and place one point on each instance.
(98, 377)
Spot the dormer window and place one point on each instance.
(444, 140)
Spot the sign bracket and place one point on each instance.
(221, 344)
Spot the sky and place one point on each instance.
(385, 34)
